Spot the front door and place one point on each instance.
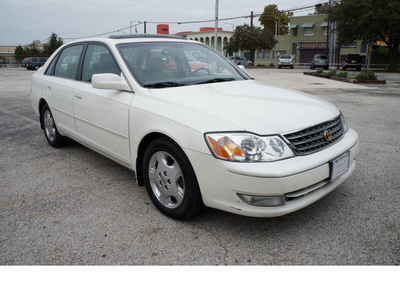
(102, 116)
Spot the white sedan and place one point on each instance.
(196, 129)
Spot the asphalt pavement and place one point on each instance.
(72, 206)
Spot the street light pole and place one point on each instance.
(216, 24)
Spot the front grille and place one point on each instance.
(313, 139)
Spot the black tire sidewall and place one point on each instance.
(192, 203)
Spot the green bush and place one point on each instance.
(320, 71)
(380, 55)
(342, 74)
(331, 73)
(366, 75)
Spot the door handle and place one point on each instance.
(78, 97)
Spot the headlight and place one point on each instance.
(247, 147)
(345, 127)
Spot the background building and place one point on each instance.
(7, 54)
(206, 36)
(308, 36)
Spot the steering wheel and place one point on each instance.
(202, 70)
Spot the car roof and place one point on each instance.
(135, 38)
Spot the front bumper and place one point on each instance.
(320, 64)
(352, 65)
(302, 179)
(285, 63)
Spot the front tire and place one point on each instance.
(53, 137)
(170, 180)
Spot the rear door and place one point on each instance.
(102, 116)
(60, 80)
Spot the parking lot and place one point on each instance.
(72, 206)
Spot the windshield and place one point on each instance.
(170, 64)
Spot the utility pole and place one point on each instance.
(144, 27)
(276, 30)
(251, 26)
(216, 25)
(327, 37)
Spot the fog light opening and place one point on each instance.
(265, 201)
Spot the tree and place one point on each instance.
(252, 39)
(19, 53)
(321, 8)
(267, 19)
(54, 42)
(32, 49)
(370, 21)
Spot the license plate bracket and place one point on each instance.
(339, 166)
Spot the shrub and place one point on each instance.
(331, 73)
(320, 71)
(366, 75)
(342, 74)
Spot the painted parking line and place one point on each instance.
(64, 192)
(10, 113)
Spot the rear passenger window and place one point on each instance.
(67, 63)
(98, 59)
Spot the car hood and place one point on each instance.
(246, 105)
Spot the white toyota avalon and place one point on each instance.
(195, 128)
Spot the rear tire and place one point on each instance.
(53, 137)
(170, 180)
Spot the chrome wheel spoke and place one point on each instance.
(166, 179)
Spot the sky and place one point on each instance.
(23, 21)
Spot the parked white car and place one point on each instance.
(239, 60)
(197, 132)
(285, 60)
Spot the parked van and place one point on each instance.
(34, 63)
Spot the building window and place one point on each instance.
(295, 31)
(260, 54)
(364, 47)
(294, 48)
(321, 45)
(324, 31)
(308, 45)
(308, 31)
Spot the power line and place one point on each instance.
(308, 6)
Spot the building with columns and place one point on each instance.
(206, 36)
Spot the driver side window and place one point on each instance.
(98, 59)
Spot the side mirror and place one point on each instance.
(109, 81)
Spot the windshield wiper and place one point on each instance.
(165, 84)
(217, 80)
